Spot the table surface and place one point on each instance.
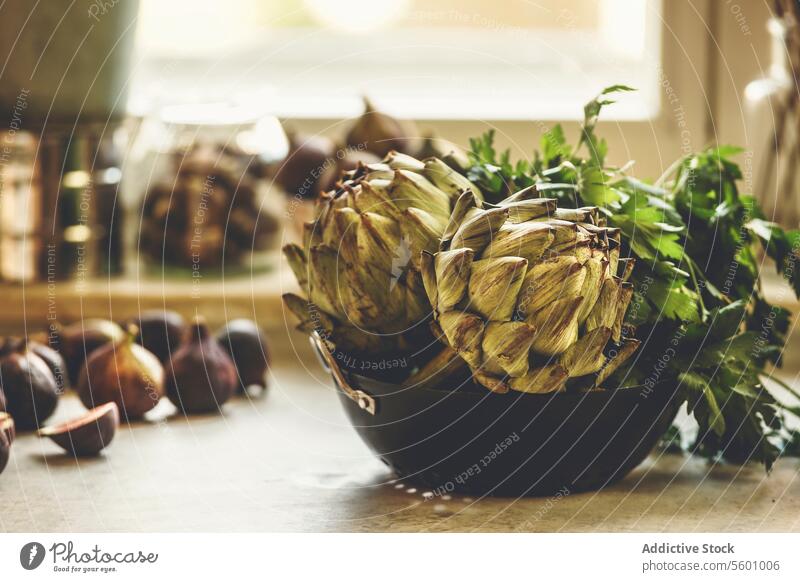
(289, 461)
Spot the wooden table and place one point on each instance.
(291, 462)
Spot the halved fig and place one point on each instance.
(86, 435)
(7, 434)
(7, 426)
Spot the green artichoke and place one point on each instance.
(359, 265)
(528, 294)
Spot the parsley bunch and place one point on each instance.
(698, 306)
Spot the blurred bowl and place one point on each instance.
(511, 444)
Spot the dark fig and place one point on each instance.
(380, 133)
(308, 156)
(86, 435)
(54, 361)
(245, 343)
(77, 341)
(7, 435)
(51, 357)
(12, 344)
(201, 376)
(30, 388)
(124, 373)
(7, 345)
(160, 332)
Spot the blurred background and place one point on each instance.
(158, 154)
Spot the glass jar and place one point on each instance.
(59, 217)
(204, 208)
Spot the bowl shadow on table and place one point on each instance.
(646, 497)
(649, 478)
(676, 470)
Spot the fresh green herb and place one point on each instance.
(698, 297)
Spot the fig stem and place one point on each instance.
(199, 330)
(22, 345)
(133, 331)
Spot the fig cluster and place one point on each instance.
(163, 355)
(122, 372)
(206, 370)
(107, 355)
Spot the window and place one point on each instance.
(424, 59)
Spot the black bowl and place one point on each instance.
(514, 444)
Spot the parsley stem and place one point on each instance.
(669, 171)
(696, 286)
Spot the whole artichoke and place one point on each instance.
(528, 294)
(359, 265)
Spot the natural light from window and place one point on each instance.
(434, 59)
